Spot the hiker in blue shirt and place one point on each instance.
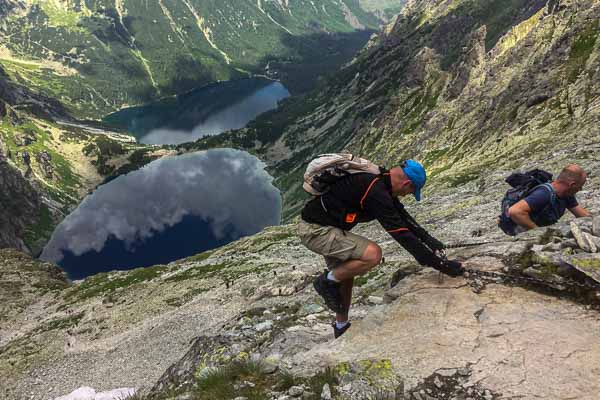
(546, 204)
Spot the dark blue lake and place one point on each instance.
(170, 209)
(205, 111)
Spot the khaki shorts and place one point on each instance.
(335, 244)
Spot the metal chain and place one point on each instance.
(495, 276)
(462, 244)
(525, 279)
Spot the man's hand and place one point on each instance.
(451, 268)
(580, 212)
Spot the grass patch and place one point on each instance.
(62, 323)
(41, 230)
(459, 180)
(106, 283)
(581, 50)
(186, 298)
(232, 381)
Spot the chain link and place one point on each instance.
(462, 244)
(495, 276)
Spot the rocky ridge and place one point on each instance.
(248, 309)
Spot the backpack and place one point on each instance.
(327, 169)
(522, 185)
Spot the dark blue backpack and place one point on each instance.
(523, 184)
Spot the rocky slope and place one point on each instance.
(474, 90)
(97, 56)
(251, 317)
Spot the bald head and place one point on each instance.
(572, 173)
(571, 179)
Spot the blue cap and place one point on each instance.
(417, 175)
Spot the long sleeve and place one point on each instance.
(379, 203)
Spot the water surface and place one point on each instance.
(206, 111)
(170, 209)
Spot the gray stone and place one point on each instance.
(375, 300)
(596, 241)
(582, 239)
(269, 366)
(311, 309)
(264, 326)
(447, 372)
(596, 226)
(296, 391)
(552, 247)
(326, 392)
(589, 264)
(534, 273)
(564, 230)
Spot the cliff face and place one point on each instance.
(20, 207)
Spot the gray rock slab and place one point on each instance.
(582, 239)
(517, 342)
(589, 264)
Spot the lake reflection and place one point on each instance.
(170, 209)
(206, 111)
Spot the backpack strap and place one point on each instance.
(553, 198)
(383, 172)
(364, 196)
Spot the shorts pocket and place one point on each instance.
(338, 245)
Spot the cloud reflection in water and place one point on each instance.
(227, 188)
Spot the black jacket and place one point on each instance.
(364, 197)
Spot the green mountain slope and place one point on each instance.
(97, 56)
(474, 89)
(47, 168)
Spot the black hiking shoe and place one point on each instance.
(339, 332)
(330, 292)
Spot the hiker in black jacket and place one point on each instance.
(328, 219)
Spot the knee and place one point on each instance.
(373, 255)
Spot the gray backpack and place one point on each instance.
(327, 169)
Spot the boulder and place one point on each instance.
(589, 264)
(583, 239)
(326, 392)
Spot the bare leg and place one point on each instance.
(351, 268)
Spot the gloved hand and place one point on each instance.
(435, 244)
(451, 268)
